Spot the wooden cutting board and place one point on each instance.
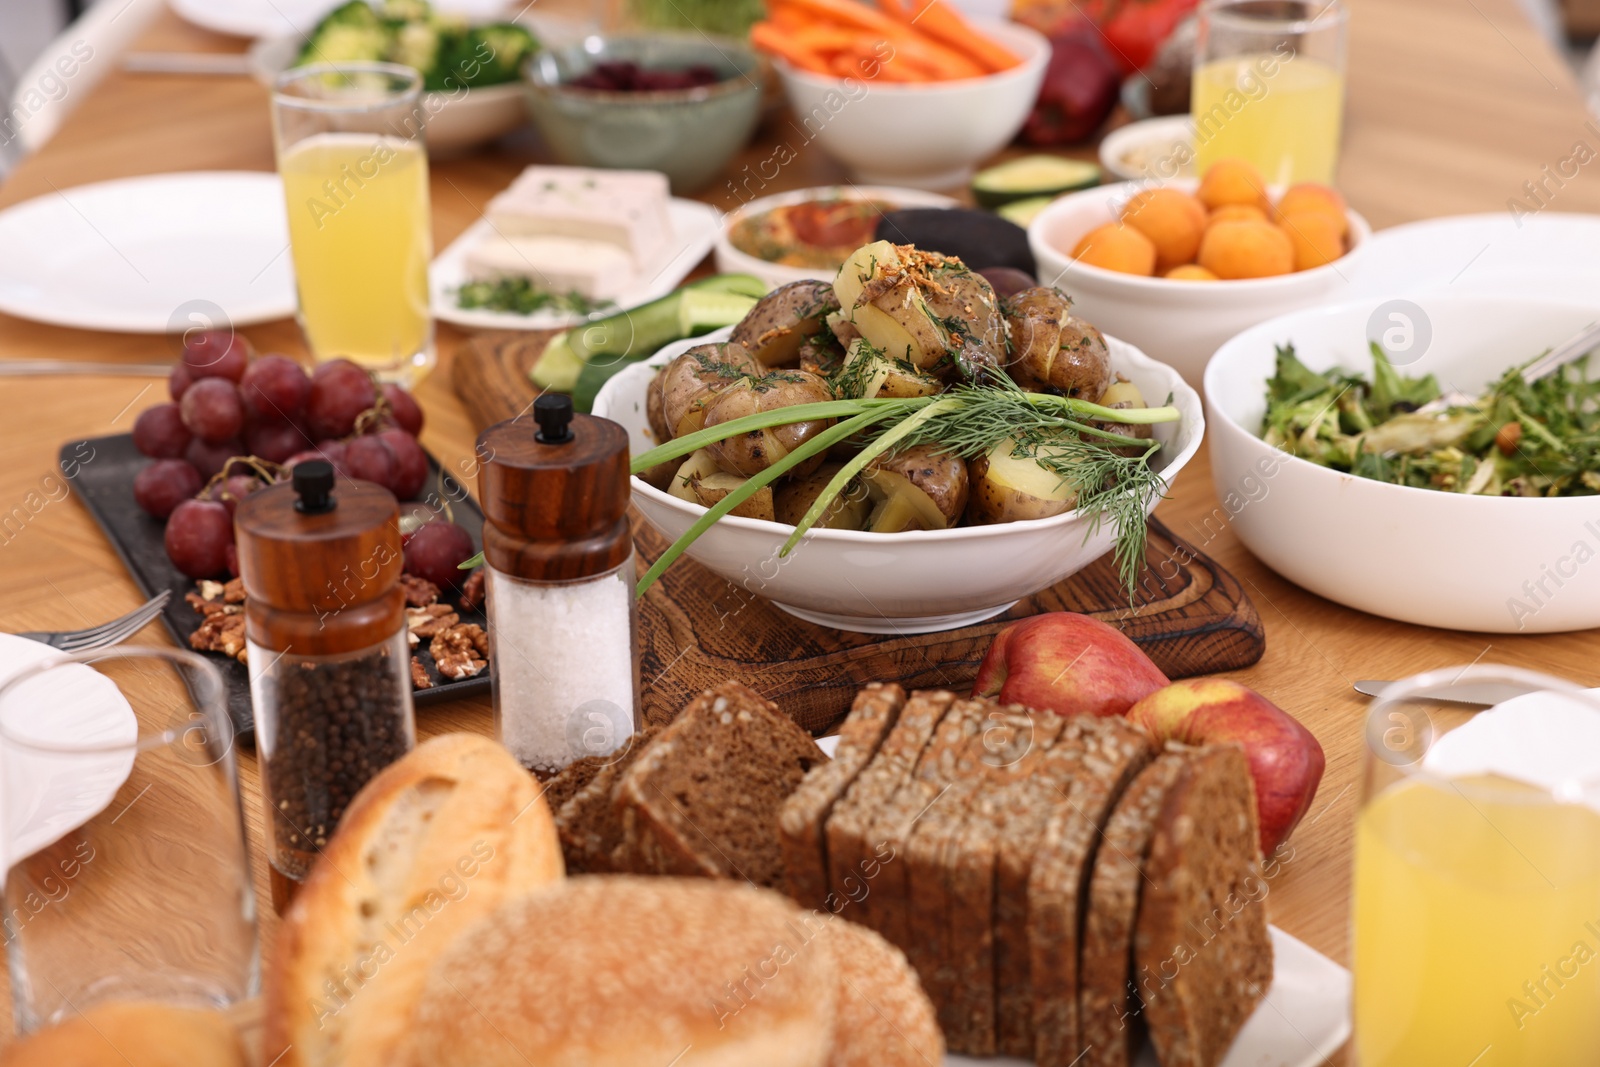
(1190, 616)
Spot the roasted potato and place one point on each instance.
(676, 400)
(848, 511)
(869, 373)
(1124, 394)
(1053, 351)
(897, 504)
(941, 475)
(779, 324)
(751, 453)
(701, 481)
(1007, 487)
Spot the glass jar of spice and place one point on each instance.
(329, 662)
(559, 575)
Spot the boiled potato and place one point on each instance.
(1007, 487)
(941, 475)
(701, 481)
(780, 323)
(1052, 351)
(869, 373)
(898, 504)
(879, 299)
(1124, 394)
(682, 389)
(751, 453)
(847, 511)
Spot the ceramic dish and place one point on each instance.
(928, 136)
(1179, 322)
(1151, 149)
(694, 226)
(1490, 564)
(275, 18)
(914, 582)
(733, 260)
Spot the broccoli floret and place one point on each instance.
(417, 45)
(352, 13)
(343, 43)
(406, 10)
(499, 50)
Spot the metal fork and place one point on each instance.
(107, 633)
(1579, 344)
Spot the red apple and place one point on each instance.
(1066, 663)
(1286, 760)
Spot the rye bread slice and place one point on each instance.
(1114, 752)
(565, 785)
(800, 823)
(704, 798)
(1203, 913)
(1015, 745)
(1107, 1010)
(857, 860)
(587, 823)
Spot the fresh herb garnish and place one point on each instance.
(521, 297)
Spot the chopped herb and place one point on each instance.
(520, 296)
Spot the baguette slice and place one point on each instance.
(1108, 1011)
(1114, 752)
(704, 798)
(433, 843)
(589, 824)
(883, 1019)
(857, 861)
(805, 814)
(1204, 912)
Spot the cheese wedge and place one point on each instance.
(562, 265)
(623, 208)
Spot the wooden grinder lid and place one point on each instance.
(557, 497)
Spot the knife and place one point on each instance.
(20, 368)
(1474, 694)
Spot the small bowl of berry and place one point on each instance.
(679, 103)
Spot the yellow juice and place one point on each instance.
(359, 229)
(1477, 929)
(1283, 115)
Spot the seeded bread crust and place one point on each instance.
(857, 861)
(1203, 911)
(705, 796)
(1015, 744)
(572, 778)
(1114, 752)
(1107, 1011)
(883, 1018)
(804, 815)
(588, 823)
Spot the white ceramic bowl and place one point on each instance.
(1181, 323)
(732, 261)
(914, 582)
(928, 136)
(456, 122)
(1491, 564)
(1150, 149)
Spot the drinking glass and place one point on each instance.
(1477, 876)
(354, 164)
(1269, 86)
(127, 875)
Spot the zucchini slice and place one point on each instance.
(1030, 177)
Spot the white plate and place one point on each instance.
(694, 227)
(52, 795)
(1304, 1019)
(274, 18)
(157, 254)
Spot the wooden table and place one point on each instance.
(1453, 105)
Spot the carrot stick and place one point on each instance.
(872, 65)
(849, 13)
(770, 38)
(944, 63)
(934, 19)
(822, 39)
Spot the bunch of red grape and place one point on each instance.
(236, 423)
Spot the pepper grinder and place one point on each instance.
(559, 574)
(330, 673)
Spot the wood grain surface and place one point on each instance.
(1453, 105)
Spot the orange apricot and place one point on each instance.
(1309, 196)
(1315, 236)
(1173, 221)
(1235, 211)
(1245, 248)
(1191, 272)
(1233, 181)
(1119, 248)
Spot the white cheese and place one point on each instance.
(554, 264)
(624, 208)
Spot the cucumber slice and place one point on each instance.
(744, 284)
(558, 367)
(1023, 212)
(1030, 177)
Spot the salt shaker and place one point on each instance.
(330, 665)
(558, 554)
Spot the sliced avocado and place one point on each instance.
(1023, 212)
(1031, 177)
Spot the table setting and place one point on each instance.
(817, 532)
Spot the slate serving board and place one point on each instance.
(105, 487)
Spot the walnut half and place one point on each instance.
(461, 651)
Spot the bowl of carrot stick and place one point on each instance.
(904, 92)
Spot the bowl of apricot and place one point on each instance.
(1178, 268)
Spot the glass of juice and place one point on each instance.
(1477, 875)
(1269, 86)
(354, 165)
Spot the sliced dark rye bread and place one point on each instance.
(705, 796)
(965, 853)
(1107, 1010)
(804, 815)
(1203, 913)
(562, 787)
(856, 860)
(588, 822)
(1114, 752)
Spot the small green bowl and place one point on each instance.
(687, 134)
